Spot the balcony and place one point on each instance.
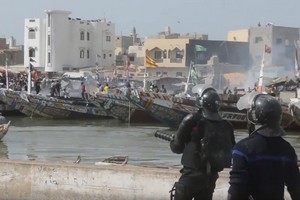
(175, 60)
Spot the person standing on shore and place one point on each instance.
(83, 91)
(264, 162)
(106, 88)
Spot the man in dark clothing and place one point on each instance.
(198, 179)
(37, 86)
(163, 89)
(264, 162)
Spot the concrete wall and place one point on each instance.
(68, 181)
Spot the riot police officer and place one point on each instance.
(264, 162)
(198, 178)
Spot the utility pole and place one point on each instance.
(30, 69)
(6, 70)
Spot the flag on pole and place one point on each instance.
(200, 48)
(297, 68)
(194, 75)
(268, 49)
(150, 62)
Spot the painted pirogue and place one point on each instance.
(170, 109)
(51, 107)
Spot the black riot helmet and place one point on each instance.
(265, 110)
(208, 100)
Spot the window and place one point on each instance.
(158, 73)
(81, 35)
(179, 54)
(49, 42)
(49, 57)
(110, 55)
(88, 35)
(258, 39)
(108, 38)
(287, 42)
(104, 56)
(178, 74)
(81, 53)
(278, 41)
(87, 53)
(31, 52)
(31, 34)
(157, 55)
(49, 20)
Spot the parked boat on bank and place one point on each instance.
(4, 129)
(115, 105)
(170, 109)
(52, 107)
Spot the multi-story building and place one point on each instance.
(174, 56)
(60, 43)
(10, 53)
(280, 43)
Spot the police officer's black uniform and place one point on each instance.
(264, 162)
(197, 181)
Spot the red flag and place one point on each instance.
(267, 49)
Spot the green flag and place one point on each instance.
(194, 75)
(200, 48)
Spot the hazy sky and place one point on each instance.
(212, 17)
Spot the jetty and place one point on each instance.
(33, 180)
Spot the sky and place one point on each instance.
(212, 17)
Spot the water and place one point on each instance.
(94, 140)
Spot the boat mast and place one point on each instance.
(188, 78)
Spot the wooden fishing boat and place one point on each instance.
(52, 107)
(114, 160)
(4, 129)
(116, 105)
(170, 109)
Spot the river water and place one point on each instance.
(94, 140)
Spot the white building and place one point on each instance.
(60, 43)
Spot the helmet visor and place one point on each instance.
(200, 88)
(245, 101)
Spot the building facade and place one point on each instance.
(59, 43)
(281, 43)
(10, 53)
(175, 55)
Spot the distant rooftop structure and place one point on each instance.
(167, 34)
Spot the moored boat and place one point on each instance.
(4, 129)
(52, 107)
(170, 109)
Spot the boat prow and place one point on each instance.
(4, 129)
(114, 160)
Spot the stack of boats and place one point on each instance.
(165, 108)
